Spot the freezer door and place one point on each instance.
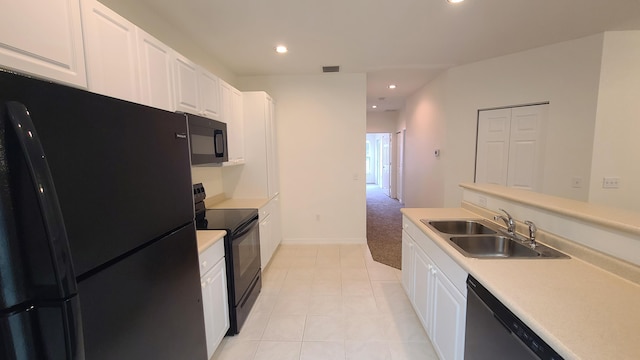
(121, 170)
(147, 306)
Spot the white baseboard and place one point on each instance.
(323, 241)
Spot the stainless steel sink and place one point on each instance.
(459, 226)
(492, 246)
(479, 238)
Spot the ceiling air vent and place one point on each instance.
(328, 69)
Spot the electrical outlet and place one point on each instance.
(482, 201)
(610, 183)
(576, 182)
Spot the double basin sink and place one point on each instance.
(483, 239)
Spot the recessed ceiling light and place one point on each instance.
(374, 106)
(281, 49)
(454, 1)
(392, 86)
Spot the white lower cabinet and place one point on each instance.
(214, 295)
(265, 238)
(435, 285)
(448, 318)
(270, 230)
(423, 288)
(408, 254)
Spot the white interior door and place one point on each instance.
(400, 168)
(385, 163)
(493, 146)
(526, 147)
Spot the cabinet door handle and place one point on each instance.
(204, 263)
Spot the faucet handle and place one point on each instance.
(532, 232)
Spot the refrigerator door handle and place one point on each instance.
(36, 161)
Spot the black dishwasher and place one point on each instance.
(494, 332)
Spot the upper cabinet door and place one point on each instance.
(156, 71)
(209, 87)
(185, 75)
(231, 113)
(273, 168)
(47, 43)
(111, 52)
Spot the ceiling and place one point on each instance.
(404, 42)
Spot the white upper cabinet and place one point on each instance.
(44, 39)
(186, 85)
(273, 168)
(259, 177)
(196, 90)
(156, 71)
(111, 52)
(231, 113)
(209, 89)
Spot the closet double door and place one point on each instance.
(510, 146)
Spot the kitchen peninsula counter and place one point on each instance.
(580, 310)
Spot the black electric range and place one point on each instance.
(230, 220)
(242, 254)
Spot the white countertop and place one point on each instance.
(582, 311)
(207, 238)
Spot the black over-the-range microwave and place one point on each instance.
(207, 140)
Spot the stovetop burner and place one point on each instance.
(230, 220)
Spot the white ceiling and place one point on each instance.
(405, 42)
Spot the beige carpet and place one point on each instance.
(384, 227)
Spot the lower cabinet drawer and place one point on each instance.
(210, 256)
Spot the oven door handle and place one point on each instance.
(244, 229)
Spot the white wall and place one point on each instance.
(210, 177)
(425, 121)
(382, 122)
(616, 143)
(321, 127)
(444, 115)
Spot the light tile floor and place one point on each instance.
(330, 302)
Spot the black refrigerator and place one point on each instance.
(98, 253)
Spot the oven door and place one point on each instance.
(245, 243)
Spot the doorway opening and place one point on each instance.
(378, 161)
(384, 219)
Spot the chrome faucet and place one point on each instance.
(508, 220)
(532, 233)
